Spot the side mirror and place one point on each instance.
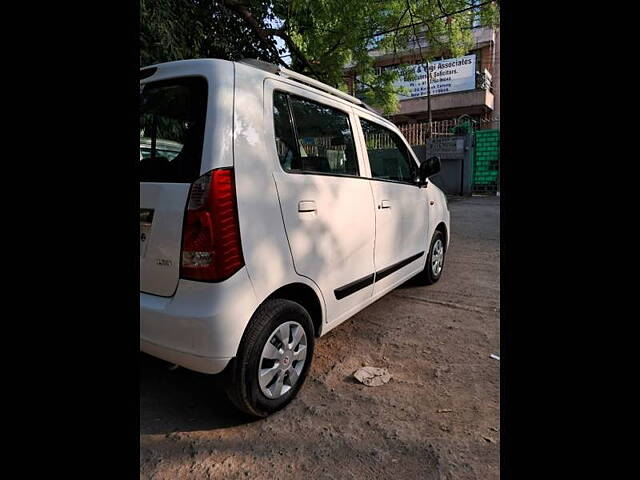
(429, 168)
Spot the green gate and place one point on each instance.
(486, 162)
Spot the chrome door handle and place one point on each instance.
(307, 206)
(385, 204)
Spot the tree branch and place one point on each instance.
(334, 47)
(375, 88)
(371, 87)
(411, 25)
(395, 47)
(442, 8)
(296, 51)
(262, 34)
(433, 39)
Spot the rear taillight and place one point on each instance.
(211, 249)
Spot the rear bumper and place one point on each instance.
(186, 360)
(201, 326)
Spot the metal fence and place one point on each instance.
(416, 133)
(481, 167)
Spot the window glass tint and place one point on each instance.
(285, 138)
(324, 139)
(172, 118)
(389, 156)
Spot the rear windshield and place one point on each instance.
(172, 118)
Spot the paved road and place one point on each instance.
(438, 418)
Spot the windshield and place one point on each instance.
(172, 118)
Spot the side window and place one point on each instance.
(323, 140)
(389, 156)
(285, 138)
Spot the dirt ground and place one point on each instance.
(438, 418)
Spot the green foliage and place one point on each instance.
(323, 36)
(168, 31)
(182, 29)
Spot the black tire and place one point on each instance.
(242, 386)
(428, 276)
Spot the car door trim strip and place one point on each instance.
(364, 282)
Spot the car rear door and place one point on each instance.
(327, 206)
(172, 112)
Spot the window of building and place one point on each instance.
(478, 54)
(389, 156)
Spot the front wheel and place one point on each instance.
(273, 359)
(435, 260)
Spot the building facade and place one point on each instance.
(478, 98)
(462, 88)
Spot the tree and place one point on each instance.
(319, 38)
(182, 29)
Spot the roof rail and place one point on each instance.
(285, 72)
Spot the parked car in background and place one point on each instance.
(282, 208)
(163, 148)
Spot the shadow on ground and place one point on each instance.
(181, 400)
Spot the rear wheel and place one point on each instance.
(435, 260)
(273, 359)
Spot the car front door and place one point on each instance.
(401, 207)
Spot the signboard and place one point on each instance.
(447, 76)
(446, 147)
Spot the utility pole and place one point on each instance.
(424, 62)
(428, 99)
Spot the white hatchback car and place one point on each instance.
(290, 207)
